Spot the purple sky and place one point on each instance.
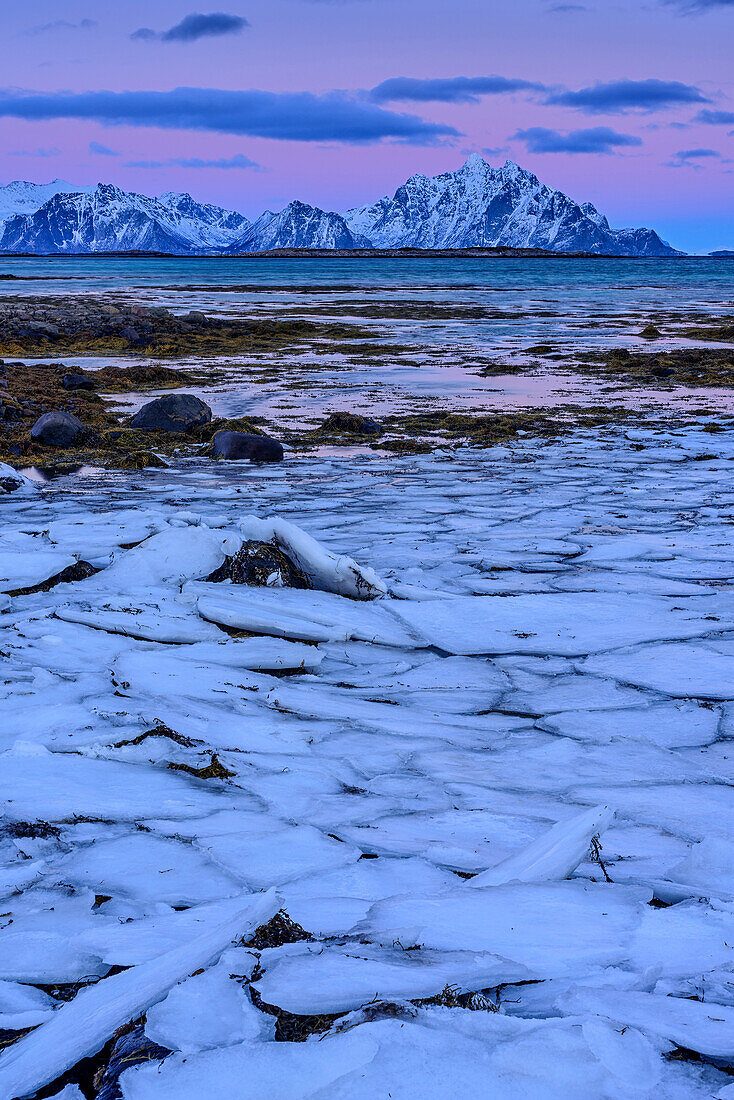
(627, 103)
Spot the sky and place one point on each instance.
(628, 104)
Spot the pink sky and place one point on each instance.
(350, 46)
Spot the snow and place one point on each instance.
(695, 1025)
(58, 217)
(475, 206)
(82, 1026)
(420, 780)
(478, 205)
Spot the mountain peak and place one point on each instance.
(475, 206)
(481, 206)
(473, 163)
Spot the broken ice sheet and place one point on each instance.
(554, 930)
(338, 979)
(210, 1009)
(413, 761)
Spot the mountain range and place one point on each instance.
(475, 206)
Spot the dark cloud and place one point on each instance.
(690, 7)
(455, 89)
(64, 25)
(237, 161)
(600, 139)
(290, 116)
(35, 153)
(99, 150)
(619, 96)
(716, 118)
(196, 26)
(690, 155)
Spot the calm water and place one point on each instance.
(570, 304)
(653, 282)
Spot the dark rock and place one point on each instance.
(650, 332)
(43, 328)
(236, 445)
(79, 571)
(662, 372)
(129, 1050)
(256, 562)
(132, 336)
(350, 423)
(10, 484)
(176, 412)
(58, 429)
(195, 317)
(77, 382)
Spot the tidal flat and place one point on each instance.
(406, 759)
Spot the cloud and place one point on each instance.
(289, 116)
(696, 154)
(63, 25)
(455, 89)
(101, 150)
(35, 153)
(237, 161)
(620, 96)
(716, 118)
(691, 157)
(196, 26)
(600, 139)
(690, 7)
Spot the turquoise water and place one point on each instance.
(641, 282)
(570, 305)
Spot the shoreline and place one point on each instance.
(352, 254)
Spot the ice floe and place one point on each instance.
(421, 754)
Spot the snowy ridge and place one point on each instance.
(476, 206)
(481, 206)
(299, 226)
(22, 197)
(106, 218)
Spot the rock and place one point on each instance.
(79, 571)
(262, 564)
(42, 328)
(662, 372)
(176, 412)
(650, 332)
(236, 445)
(58, 429)
(132, 1048)
(351, 423)
(131, 335)
(77, 382)
(196, 317)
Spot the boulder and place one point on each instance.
(176, 412)
(261, 564)
(239, 445)
(77, 382)
(58, 429)
(350, 423)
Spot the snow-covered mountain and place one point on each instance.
(210, 226)
(483, 206)
(298, 226)
(22, 197)
(105, 218)
(476, 206)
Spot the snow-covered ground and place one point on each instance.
(419, 779)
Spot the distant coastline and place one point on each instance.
(500, 252)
